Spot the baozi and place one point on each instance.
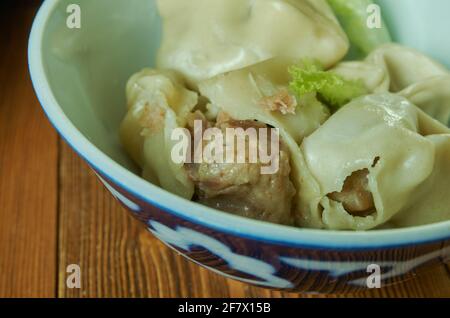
(204, 38)
(398, 69)
(369, 160)
(158, 103)
(432, 95)
(359, 145)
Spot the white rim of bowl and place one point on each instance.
(196, 213)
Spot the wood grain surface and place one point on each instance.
(54, 212)
(28, 168)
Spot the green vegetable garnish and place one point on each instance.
(353, 16)
(330, 88)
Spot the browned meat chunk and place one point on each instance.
(241, 188)
(355, 195)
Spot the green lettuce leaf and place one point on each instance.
(331, 89)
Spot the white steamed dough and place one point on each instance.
(205, 38)
(158, 103)
(385, 134)
(398, 69)
(381, 161)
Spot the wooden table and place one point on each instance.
(54, 212)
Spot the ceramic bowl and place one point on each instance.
(79, 76)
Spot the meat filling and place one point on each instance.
(355, 195)
(241, 188)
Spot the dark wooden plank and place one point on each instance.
(118, 257)
(28, 162)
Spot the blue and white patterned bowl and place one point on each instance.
(79, 76)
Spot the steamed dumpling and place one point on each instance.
(368, 162)
(398, 69)
(205, 38)
(374, 76)
(417, 77)
(432, 96)
(391, 68)
(404, 66)
(260, 92)
(244, 95)
(430, 201)
(158, 103)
